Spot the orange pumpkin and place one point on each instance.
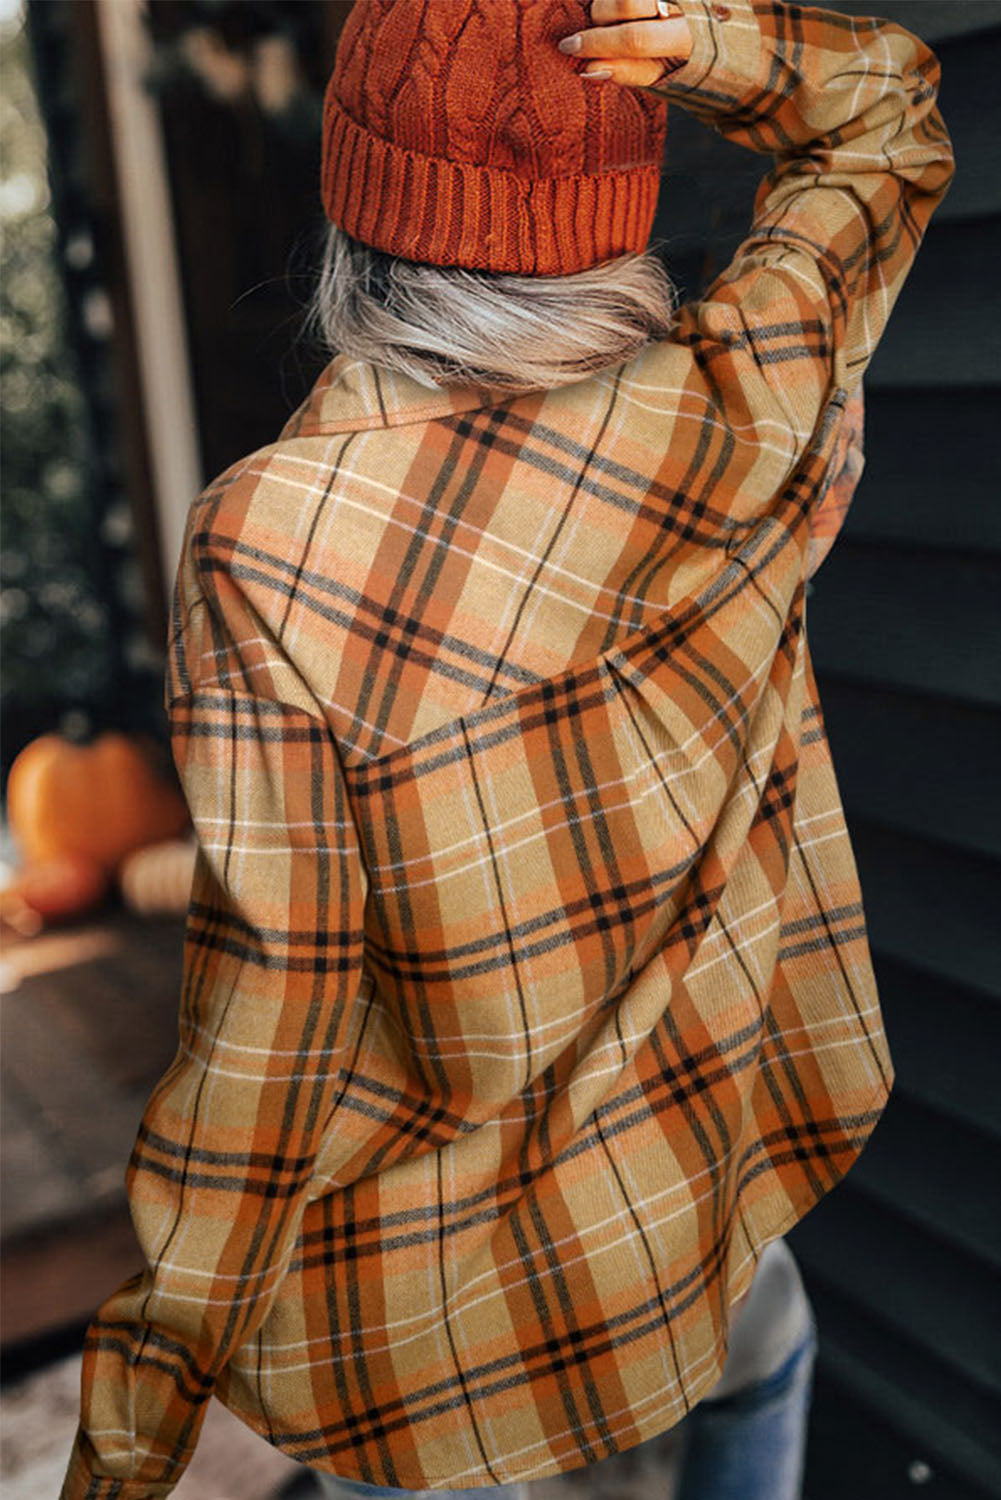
(99, 801)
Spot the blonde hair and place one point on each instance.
(447, 325)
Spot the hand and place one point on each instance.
(844, 471)
(632, 42)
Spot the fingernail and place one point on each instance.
(570, 43)
(598, 73)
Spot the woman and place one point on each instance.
(527, 996)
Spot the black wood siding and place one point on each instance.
(903, 1260)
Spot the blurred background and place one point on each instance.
(161, 222)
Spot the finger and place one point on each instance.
(604, 12)
(630, 39)
(637, 72)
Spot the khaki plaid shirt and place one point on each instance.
(527, 991)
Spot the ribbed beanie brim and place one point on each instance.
(454, 206)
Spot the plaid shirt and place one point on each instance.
(527, 990)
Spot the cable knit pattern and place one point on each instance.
(457, 133)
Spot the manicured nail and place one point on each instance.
(570, 43)
(598, 73)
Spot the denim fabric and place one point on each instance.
(349, 1489)
(752, 1445)
(771, 1323)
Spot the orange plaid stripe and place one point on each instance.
(527, 992)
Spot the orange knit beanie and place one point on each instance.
(456, 133)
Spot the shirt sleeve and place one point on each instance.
(861, 158)
(218, 1176)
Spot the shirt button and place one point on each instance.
(721, 12)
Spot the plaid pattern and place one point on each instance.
(527, 989)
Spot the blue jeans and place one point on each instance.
(752, 1445)
(746, 1438)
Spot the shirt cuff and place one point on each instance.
(83, 1483)
(726, 50)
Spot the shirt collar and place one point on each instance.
(352, 395)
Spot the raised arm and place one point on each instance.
(846, 106)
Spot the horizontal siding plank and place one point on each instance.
(933, 1171)
(866, 1432)
(910, 490)
(945, 1042)
(949, 791)
(915, 1285)
(930, 622)
(930, 906)
(940, 332)
(911, 1382)
(970, 68)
